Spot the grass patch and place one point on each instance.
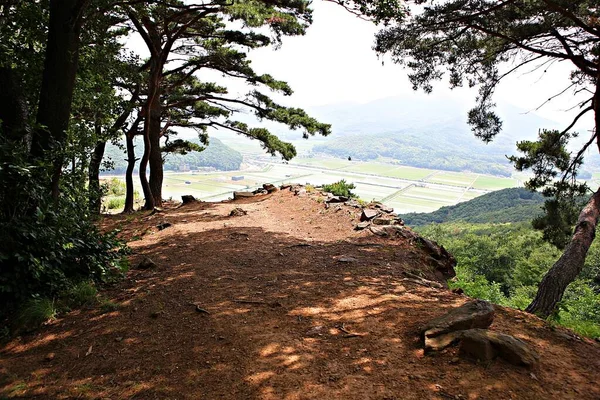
(113, 203)
(82, 294)
(107, 306)
(36, 311)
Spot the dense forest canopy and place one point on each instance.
(502, 206)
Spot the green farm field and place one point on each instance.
(407, 189)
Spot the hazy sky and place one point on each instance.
(334, 62)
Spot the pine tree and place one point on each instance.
(479, 43)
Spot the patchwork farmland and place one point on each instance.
(406, 189)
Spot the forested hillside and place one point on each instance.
(501, 257)
(216, 155)
(504, 263)
(507, 205)
(444, 152)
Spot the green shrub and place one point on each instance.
(116, 187)
(340, 188)
(82, 294)
(45, 244)
(107, 306)
(35, 312)
(114, 203)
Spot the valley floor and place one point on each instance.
(298, 306)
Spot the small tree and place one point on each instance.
(184, 38)
(479, 43)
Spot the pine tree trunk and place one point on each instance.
(149, 199)
(95, 194)
(58, 82)
(129, 192)
(570, 264)
(155, 159)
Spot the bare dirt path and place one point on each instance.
(298, 306)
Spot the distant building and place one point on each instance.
(237, 178)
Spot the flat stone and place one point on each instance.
(440, 342)
(270, 188)
(384, 208)
(387, 231)
(474, 314)
(362, 225)
(164, 225)
(486, 345)
(382, 221)
(368, 214)
(347, 259)
(352, 203)
(242, 195)
(237, 212)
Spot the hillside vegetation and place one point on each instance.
(501, 258)
(216, 155)
(502, 206)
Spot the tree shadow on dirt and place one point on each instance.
(243, 313)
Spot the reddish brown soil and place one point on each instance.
(284, 256)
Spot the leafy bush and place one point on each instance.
(116, 187)
(36, 311)
(340, 188)
(45, 244)
(107, 306)
(114, 203)
(504, 264)
(83, 293)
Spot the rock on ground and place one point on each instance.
(486, 345)
(474, 314)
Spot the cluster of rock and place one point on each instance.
(378, 214)
(265, 189)
(468, 325)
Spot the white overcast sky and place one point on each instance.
(334, 62)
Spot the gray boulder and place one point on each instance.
(486, 345)
(368, 214)
(474, 314)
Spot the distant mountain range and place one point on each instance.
(502, 206)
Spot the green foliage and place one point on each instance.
(507, 205)
(449, 154)
(548, 158)
(215, 155)
(35, 312)
(115, 187)
(340, 188)
(115, 203)
(81, 294)
(46, 245)
(504, 263)
(107, 306)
